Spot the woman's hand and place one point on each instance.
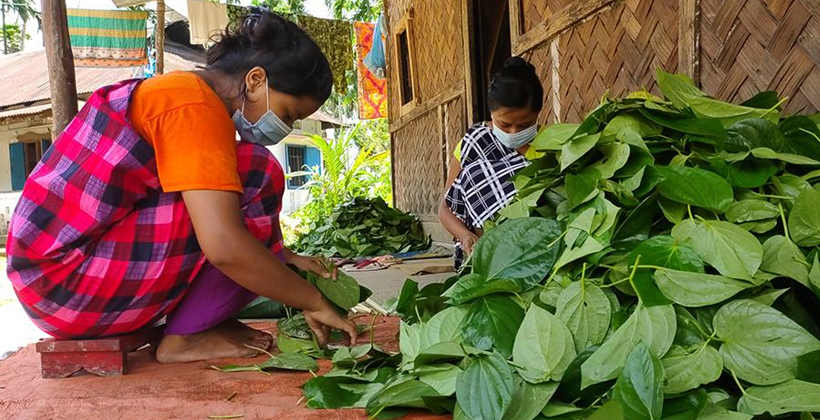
(322, 319)
(316, 265)
(468, 240)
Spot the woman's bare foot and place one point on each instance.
(248, 335)
(227, 340)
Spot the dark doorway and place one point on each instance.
(491, 47)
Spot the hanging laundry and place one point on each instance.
(108, 38)
(374, 60)
(333, 37)
(236, 13)
(372, 90)
(206, 19)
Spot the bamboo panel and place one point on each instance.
(617, 51)
(417, 160)
(542, 60)
(753, 45)
(537, 11)
(439, 45)
(455, 125)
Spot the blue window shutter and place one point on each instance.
(313, 158)
(17, 156)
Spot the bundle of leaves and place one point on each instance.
(363, 227)
(660, 262)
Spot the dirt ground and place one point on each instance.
(154, 391)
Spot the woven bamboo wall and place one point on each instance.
(417, 162)
(541, 58)
(753, 45)
(617, 51)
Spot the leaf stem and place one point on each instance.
(689, 210)
(783, 217)
(737, 381)
(632, 274)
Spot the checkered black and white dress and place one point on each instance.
(484, 185)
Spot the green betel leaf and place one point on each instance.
(291, 361)
(654, 326)
(582, 187)
(729, 114)
(543, 347)
(686, 407)
(752, 133)
(696, 187)
(409, 393)
(324, 392)
(485, 390)
(615, 157)
(441, 377)
(716, 412)
(760, 344)
(518, 250)
(661, 251)
(687, 369)
(781, 256)
(766, 153)
(492, 322)
(440, 352)
(751, 211)
(528, 400)
(639, 385)
(630, 121)
(808, 367)
(586, 311)
(677, 88)
(791, 396)
(474, 285)
(730, 249)
(409, 341)
(697, 289)
(576, 148)
(804, 218)
(553, 136)
(442, 327)
(344, 291)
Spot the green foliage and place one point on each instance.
(12, 37)
(336, 200)
(363, 227)
(679, 278)
(284, 7)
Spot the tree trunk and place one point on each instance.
(60, 64)
(23, 35)
(5, 34)
(160, 37)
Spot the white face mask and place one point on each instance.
(515, 140)
(267, 131)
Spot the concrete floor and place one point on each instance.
(387, 283)
(182, 391)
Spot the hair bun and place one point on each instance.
(516, 62)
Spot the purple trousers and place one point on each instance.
(211, 299)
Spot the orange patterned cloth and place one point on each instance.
(372, 90)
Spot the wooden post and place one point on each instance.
(60, 64)
(689, 40)
(160, 37)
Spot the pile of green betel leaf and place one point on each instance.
(363, 227)
(660, 262)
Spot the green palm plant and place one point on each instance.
(341, 178)
(25, 10)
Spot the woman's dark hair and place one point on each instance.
(516, 86)
(293, 62)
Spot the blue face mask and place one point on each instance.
(515, 140)
(267, 131)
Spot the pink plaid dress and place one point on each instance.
(96, 248)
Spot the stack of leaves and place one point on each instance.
(363, 227)
(660, 262)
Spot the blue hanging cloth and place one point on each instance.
(374, 61)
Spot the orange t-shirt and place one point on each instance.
(190, 130)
